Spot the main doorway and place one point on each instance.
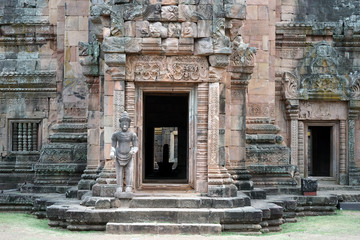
(166, 138)
(319, 151)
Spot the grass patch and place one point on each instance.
(28, 221)
(344, 222)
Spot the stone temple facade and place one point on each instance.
(244, 93)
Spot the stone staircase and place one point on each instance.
(250, 212)
(159, 214)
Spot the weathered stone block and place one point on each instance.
(187, 2)
(204, 12)
(102, 204)
(169, 13)
(132, 12)
(115, 59)
(309, 185)
(26, 65)
(169, 2)
(151, 45)
(142, 29)
(133, 45)
(219, 60)
(204, 28)
(130, 28)
(174, 30)
(113, 45)
(119, 1)
(188, 30)
(187, 13)
(157, 30)
(152, 12)
(170, 45)
(108, 190)
(237, 11)
(203, 46)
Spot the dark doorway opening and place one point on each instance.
(319, 152)
(166, 138)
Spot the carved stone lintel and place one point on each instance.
(152, 68)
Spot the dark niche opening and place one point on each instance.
(319, 151)
(166, 138)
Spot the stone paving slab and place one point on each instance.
(162, 228)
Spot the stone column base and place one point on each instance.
(241, 177)
(220, 183)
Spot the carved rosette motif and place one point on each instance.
(259, 110)
(188, 68)
(145, 68)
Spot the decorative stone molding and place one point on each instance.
(89, 58)
(152, 68)
(242, 57)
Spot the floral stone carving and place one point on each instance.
(161, 68)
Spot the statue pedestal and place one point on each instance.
(124, 195)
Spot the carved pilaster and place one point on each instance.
(119, 104)
(354, 171)
(130, 102)
(292, 112)
(301, 147)
(220, 182)
(241, 67)
(342, 160)
(236, 164)
(213, 124)
(202, 136)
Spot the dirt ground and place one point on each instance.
(345, 225)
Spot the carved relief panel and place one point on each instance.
(167, 69)
(311, 110)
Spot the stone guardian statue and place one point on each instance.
(124, 145)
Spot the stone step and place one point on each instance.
(167, 202)
(162, 228)
(192, 202)
(272, 215)
(76, 217)
(256, 193)
(349, 206)
(283, 190)
(289, 208)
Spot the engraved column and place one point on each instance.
(89, 53)
(220, 182)
(301, 147)
(237, 146)
(354, 107)
(342, 160)
(292, 111)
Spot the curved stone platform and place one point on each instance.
(174, 213)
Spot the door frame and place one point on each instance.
(334, 146)
(164, 88)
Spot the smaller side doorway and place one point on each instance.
(319, 161)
